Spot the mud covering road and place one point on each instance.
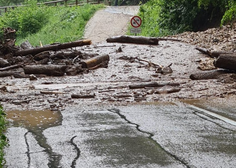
(120, 126)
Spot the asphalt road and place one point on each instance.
(145, 136)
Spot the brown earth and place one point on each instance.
(111, 85)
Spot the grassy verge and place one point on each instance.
(149, 13)
(48, 24)
(3, 139)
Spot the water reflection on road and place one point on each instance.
(36, 122)
(153, 135)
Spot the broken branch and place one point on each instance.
(54, 47)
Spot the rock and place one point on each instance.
(32, 77)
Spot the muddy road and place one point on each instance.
(180, 123)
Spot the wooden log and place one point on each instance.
(152, 84)
(95, 62)
(42, 55)
(54, 47)
(10, 67)
(50, 92)
(167, 90)
(215, 74)
(63, 55)
(82, 96)
(50, 70)
(134, 40)
(212, 54)
(17, 73)
(226, 61)
(3, 63)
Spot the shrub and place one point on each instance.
(3, 139)
(26, 20)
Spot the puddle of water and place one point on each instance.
(34, 119)
(36, 122)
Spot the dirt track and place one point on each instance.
(112, 21)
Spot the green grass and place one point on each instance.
(149, 13)
(3, 139)
(48, 24)
(65, 24)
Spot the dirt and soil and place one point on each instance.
(110, 85)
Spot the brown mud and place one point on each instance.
(129, 64)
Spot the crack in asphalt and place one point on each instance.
(150, 135)
(28, 149)
(77, 150)
(54, 158)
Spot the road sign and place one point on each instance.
(136, 21)
(135, 30)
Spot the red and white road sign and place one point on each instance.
(136, 21)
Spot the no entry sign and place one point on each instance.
(136, 21)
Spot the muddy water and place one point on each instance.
(36, 122)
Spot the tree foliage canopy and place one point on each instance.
(175, 16)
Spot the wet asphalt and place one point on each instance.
(144, 135)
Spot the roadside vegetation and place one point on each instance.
(3, 139)
(168, 17)
(48, 24)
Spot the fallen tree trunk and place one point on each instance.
(208, 75)
(96, 62)
(133, 39)
(152, 84)
(54, 47)
(212, 54)
(10, 67)
(82, 96)
(17, 73)
(50, 70)
(226, 61)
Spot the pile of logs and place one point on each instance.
(225, 62)
(51, 60)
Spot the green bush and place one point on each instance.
(167, 17)
(3, 139)
(26, 20)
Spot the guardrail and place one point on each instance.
(55, 3)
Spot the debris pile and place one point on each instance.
(214, 39)
(219, 45)
(223, 65)
(51, 60)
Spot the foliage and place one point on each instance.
(3, 139)
(26, 20)
(149, 13)
(177, 15)
(48, 24)
(166, 17)
(230, 15)
(10, 2)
